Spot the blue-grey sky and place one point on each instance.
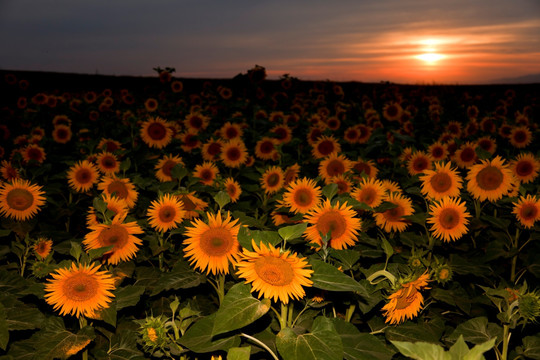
(413, 41)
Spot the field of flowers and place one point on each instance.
(249, 218)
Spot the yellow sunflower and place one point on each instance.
(265, 148)
(34, 152)
(79, 290)
(42, 247)
(419, 162)
(325, 146)
(211, 149)
(391, 186)
(392, 111)
(165, 213)
(119, 187)
(337, 220)
(231, 131)
(343, 182)
(107, 163)
(62, 134)
(364, 133)
(291, 174)
(82, 176)
(8, 171)
(392, 219)
(196, 122)
(465, 155)
(525, 167)
(206, 172)
(20, 199)
(190, 141)
(491, 179)
(448, 219)
(156, 132)
(233, 189)
(351, 134)
(165, 165)
(365, 166)
(302, 195)
(441, 182)
(334, 165)
(283, 133)
(406, 302)
(234, 153)
(118, 234)
(438, 151)
(520, 137)
(272, 179)
(487, 143)
(275, 274)
(370, 191)
(116, 205)
(527, 210)
(212, 246)
(192, 204)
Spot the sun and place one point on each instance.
(430, 54)
(430, 58)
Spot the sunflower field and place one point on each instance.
(248, 218)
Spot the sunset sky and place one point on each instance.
(413, 41)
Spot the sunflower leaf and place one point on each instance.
(239, 353)
(357, 345)
(99, 252)
(330, 190)
(477, 331)
(238, 309)
(422, 350)
(328, 277)
(178, 171)
(198, 337)
(222, 199)
(128, 296)
(292, 232)
(4, 333)
(180, 277)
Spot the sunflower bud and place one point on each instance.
(443, 274)
(529, 306)
(153, 333)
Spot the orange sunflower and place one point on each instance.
(265, 148)
(364, 133)
(465, 155)
(325, 146)
(527, 210)
(190, 141)
(272, 179)
(119, 187)
(491, 179)
(438, 151)
(42, 248)
(392, 111)
(370, 191)
(343, 182)
(441, 182)
(449, 219)
(283, 133)
(391, 186)
(365, 166)
(231, 131)
(165, 213)
(407, 301)
(20, 199)
(351, 134)
(119, 235)
(392, 219)
(211, 149)
(212, 246)
(206, 172)
(165, 165)
(82, 176)
(62, 134)
(337, 220)
(234, 153)
(192, 204)
(79, 290)
(107, 163)
(525, 167)
(233, 189)
(196, 122)
(274, 274)
(34, 152)
(487, 143)
(156, 132)
(302, 195)
(419, 162)
(520, 137)
(115, 205)
(334, 165)
(8, 171)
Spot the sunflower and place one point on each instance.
(165, 213)
(206, 172)
(79, 290)
(42, 248)
(465, 155)
(391, 186)
(211, 246)
(365, 166)
(156, 132)
(274, 274)
(407, 301)
(314, 134)
(211, 149)
(234, 153)
(520, 137)
(272, 179)
(151, 105)
(8, 172)
(392, 111)
(119, 235)
(107, 163)
(82, 176)
(351, 134)
(113, 204)
(491, 179)
(34, 152)
(343, 182)
(109, 145)
(283, 133)
(334, 165)
(233, 189)
(527, 210)
(438, 151)
(525, 167)
(441, 182)
(192, 204)
(62, 134)
(291, 174)
(454, 128)
(177, 86)
(325, 146)
(302, 195)
(337, 220)
(165, 165)
(190, 141)
(231, 131)
(392, 219)
(120, 187)
(20, 199)
(419, 162)
(487, 143)
(196, 122)
(370, 191)
(449, 219)
(265, 148)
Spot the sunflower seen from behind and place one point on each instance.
(165, 213)
(407, 301)
(79, 289)
(211, 246)
(20, 199)
(273, 273)
(82, 176)
(448, 218)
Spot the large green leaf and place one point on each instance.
(198, 337)
(360, 346)
(20, 316)
(422, 350)
(238, 309)
(123, 347)
(322, 343)
(346, 257)
(292, 231)
(239, 353)
(180, 277)
(128, 296)
(412, 332)
(4, 333)
(531, 347)
(477, 331)
(328, 277)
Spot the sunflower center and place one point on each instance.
(437, 152)
(207, 175)
(167, 167)
(61, 134)
(196, 122)
(524, 168)
(529, 212)
(19, 199)
(392, 111)
(108, 162)
(233, 154)
(444, 274)
(468, 154)
(115, 235)
(406, 297)
(167, 213)
(273, 180)
(157, 131)
(118, 187)
(188, 203)
(326, 147)
(332, 221)
(489, 178)
(362, 167)
(368, 195)
(441, 182)
(520, 136)
(394, 214)
(83, 176)
(335, 167)
(214, 148)
(34, 154)
(231, 133)
(420, 164)
(216, 241)
(231, 190)
(281, 133)
(303, 197)
(80, 287)
(274, 271)
(267, 147)
(449, 218)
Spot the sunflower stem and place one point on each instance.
(283, 316)
(290, 314)
(349, 313)
(25, 255)
(514, 258)
(83, 323)
(261, 344)
(506, 340)
(160, 256)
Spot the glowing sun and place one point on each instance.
(430, 54)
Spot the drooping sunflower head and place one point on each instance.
(20, 199)
(407, 301)
(280, 276)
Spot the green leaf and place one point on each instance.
(99, 252)
(346, 257)
(99, 204)
(4, 232)
(459, 350)
(180, 277)
(412, 332)
(357, 345)
(388, 249)
(4, 333)
(327, 277)
(330, 190)
(293, 231)
(477, 331)
(239, 353)
(20, 316)
(222, 199)
(128, 296)
(477, 351)
(531, 347)
(386, 205)
(198, 337)
(238, 309)
(125, 164)
(76, 250)
(322, 343)
(124, 347)
(266, 237)
(422, 350)
(178, 171)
